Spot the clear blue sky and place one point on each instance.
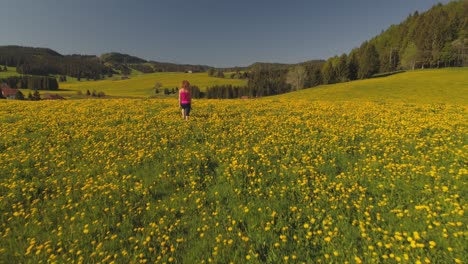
(211, 32)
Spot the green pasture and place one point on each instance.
(143, 85)
(11, 72)
(421, 86)
(137, 85)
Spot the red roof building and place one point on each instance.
(8, 92)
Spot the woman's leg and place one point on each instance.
(187, 112)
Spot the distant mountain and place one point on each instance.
(118, 58)
(44, 61)
(11, 50)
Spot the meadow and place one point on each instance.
(292, 178)
(421, 86)
(142, 85)
(11, 71)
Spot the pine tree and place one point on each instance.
(328, 73)
(369, 63)
(19, 95)
(353, 66)
(341, 68)
(36, 95)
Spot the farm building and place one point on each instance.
(7, 92)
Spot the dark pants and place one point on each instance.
(186, 108)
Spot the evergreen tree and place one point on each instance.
(19, 95)
(368, 61)
(353, 66)
(328, 73)
(315, 78)
(341, 68)
(36, 95)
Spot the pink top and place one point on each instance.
(184, 97)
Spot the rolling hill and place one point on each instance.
(143, 85)
(448, 85)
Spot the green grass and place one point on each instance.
(138, 85)
(143, 85)
(11, 72)
(422, 86)
(270, 181)
(301, 178)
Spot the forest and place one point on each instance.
(31, 82)
(43, 61)
(434, 39)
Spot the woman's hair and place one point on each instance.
(185, 85)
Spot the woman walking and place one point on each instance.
(185, 100)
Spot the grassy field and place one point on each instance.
(138, 85)
(11, 72)
(423, 86)
(143, 85)
(291, 178)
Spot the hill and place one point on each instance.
(433, 39)
(115, 57)
(44, 61)
(422, 86)
(143, 85)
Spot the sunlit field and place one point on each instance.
(11, 71)
(422, 86)
(265, 180)
(143, 85)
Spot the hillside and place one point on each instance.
(143, 85)
(433, 39)
(423, 86)
(115, 57)
(44, 61)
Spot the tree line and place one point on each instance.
(42, 61)
(434, 39)
(32, 82)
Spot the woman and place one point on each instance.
(185, 100)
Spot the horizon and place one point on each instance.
(204, 33)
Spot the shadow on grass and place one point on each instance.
(385, 74)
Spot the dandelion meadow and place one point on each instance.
(263, 180)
